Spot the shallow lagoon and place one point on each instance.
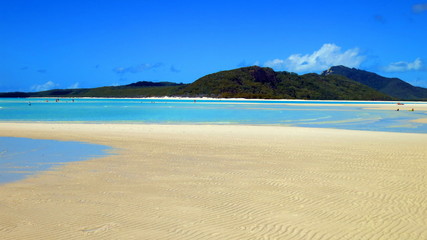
(338, 114)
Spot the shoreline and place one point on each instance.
(218, 182)
(373, 105)
(232, 99)
(24, 157)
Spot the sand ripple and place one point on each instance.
(225, 182)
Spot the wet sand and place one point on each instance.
(420, 120)
(222, 182)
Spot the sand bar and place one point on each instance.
(405, 107)
(420, 120)
(222, 182)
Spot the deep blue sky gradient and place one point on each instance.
(68, 44)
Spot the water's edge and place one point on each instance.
(24, 157)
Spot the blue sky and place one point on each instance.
(79, 44)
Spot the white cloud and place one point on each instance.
(328, 55)
(43, 87)
(75, 85)
(403, 66)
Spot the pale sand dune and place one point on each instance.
(223, 182)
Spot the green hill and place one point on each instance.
(257, 82)
(394, 87)
(139, 89)
(248, 82)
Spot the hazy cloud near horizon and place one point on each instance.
(43, 87)
(419, 8)
(74, 85)
(402, 66)
(137, 69)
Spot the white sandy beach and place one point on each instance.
(222, 182)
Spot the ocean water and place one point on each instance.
(21, 157)
(168, 111)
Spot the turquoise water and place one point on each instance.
(21, 157)
(168, 111)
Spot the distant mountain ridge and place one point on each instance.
(393, 87)
(337, 83)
